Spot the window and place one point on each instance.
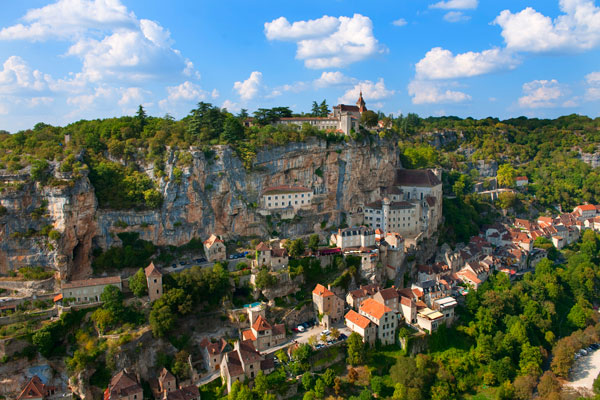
(155, 281)
(269, 198)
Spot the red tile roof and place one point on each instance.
(212, 240)
(151, 270)
(322, 291)
(357, 319)
(586, 207)
(261, 324)
(109, 280)
(374, 308)
(34, 389)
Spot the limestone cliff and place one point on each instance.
(216, 194)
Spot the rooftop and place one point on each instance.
(374, 308)
(416, 177)
(109, 280)
(285, 189)
(357, 319)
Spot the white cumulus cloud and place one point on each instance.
(17, 77)
(456, 16)
(332, 78)
(440, 63)
(456, 4)
(541, 94)
(249, 88)
(593, 90)
(428, 92)
(400, 22)
(327, 42)
(530, 31)
(370, 90)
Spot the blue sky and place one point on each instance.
(64, 60)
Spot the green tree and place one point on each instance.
(103, 318)
(39, 170)
(162, 320)
(138, 283)
(43, 341)
(369, 119)
(328, 377)
(296, 248)
(233, 130)
(181, 367)
(319, 389)
(323, 109)
(506, 175)
(421, 156)
(307, 380)
(356, 349)
(112, 300)
(377, 385)
(313, 242)
(596, 385)
(315, 110)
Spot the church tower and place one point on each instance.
(361, 104)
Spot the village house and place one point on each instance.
(214, 249)
(446, 306)
(361, 325)
(383, 317)
(389, 297)
(356, 237)
(355, 297)
(585, 211)
(467, 276)
(154, 282)
(89, 290)
(124, 386)
(327, 305)
(521, 181)
(34, 389)
(429, 291)
(213, 352)
(285, 196)
(244, 362)
(429, 320)
(273, 258)
(408, 309)
(263, 335)
(165, 388)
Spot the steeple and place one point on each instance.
(361, 103)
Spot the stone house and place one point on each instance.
(244, 362)
(361, 325)
(278, 197)
(34, 389)
(327, 305)
(124, 386)
(263, 335)
(214, 249)
(154, 282)
(389, 297)
(353, 237)
(213, 352)
(383, 317)
(274, 259)
(355, 297)
(89, 290)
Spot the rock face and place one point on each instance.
(214, 195)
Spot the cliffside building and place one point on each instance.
(244, 362)
(285, 197)
(344, 119)
(124, 386)
(411, 206)
(34, 389)
(154, 282)
(214, 249)
(89, 290)
(328, 305)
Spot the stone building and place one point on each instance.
(263, 335)
(89, 290)
(327, 305)
(214, 249)
(344, 119)
(278, 197)
(34, 389)
(383, 317)
(353, 237)
(124, 386)
(361, 325)
(213, 352)
(244, 362)
(154, 282)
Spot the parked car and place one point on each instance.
(343, 336)
(319, 346)
(305, 325)
(200, 260)
(326, 332)
(174, 265)
(181, 262)
(301, 328)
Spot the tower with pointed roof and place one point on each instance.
(360, 103)
(154, 281)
